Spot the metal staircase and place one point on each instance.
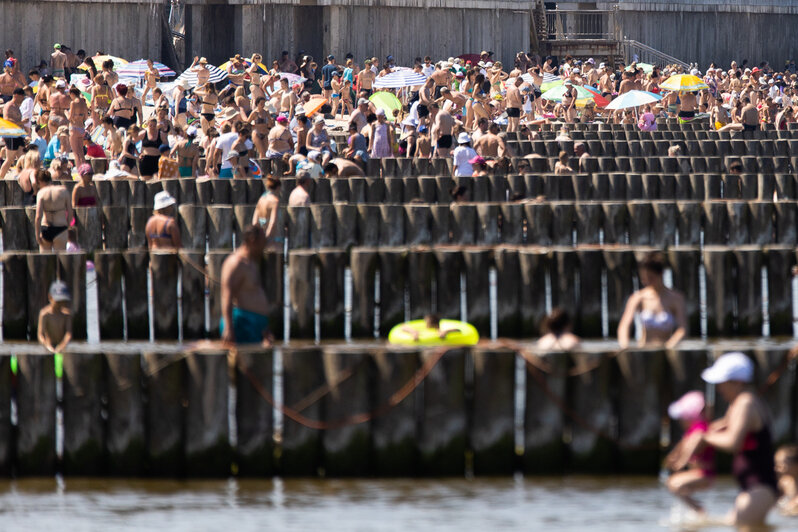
(645, 54)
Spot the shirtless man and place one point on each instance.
(199, 67)
(53, 213)
(59, 104)
(750, 115)
(442, 132)
(442, 78)
(299, 196)
(359, 114)
(286, 64)
(453, 100)
(244, 304)
(605, 83)
(627, 84)
(78, 114)
(688, 105)
(288, 100)
(57, 61)
(340, 167)
(514, 103)
(365, 79)
(8, 82)
(12, 113)
(55, 319)
(490, 144)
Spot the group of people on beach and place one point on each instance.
(462, 110)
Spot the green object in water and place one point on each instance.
(59, 365)
(14, 364)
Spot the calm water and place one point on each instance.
(567, 503)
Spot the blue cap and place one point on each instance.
(8, 64)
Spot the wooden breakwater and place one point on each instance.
(349, 410)
(387, 285)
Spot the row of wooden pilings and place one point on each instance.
(349, 410)
(391, 284)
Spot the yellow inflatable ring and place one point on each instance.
(462, 334)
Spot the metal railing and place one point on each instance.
(581, 24)
(645, 54)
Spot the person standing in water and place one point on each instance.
(244, 303)
(55, 319)
(661, 310)
(744, 431)
(557, 335)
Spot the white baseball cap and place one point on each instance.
(463, 138)
(733, 366)
(688, 407)
(59, 291)
(61, 84)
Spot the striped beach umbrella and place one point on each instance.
(399, 79)
(136, 69)
(217, 75)
(684, 83)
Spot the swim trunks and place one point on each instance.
(248, 326)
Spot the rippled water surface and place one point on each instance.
(567, 503)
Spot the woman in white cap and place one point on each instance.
(462, 156)
(744, 431)
(161, 229)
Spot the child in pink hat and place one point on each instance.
(689, 410)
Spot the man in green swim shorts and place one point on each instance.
(244, 303)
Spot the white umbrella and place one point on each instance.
(136, 69)
(399, 79)
(216, 73)
(633, 99)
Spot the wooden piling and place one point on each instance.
(720, 290)
(192, 303)
(508, 273)
(84, 428)
(72, 270)
(443, 427)
(207, 438)
(348, 449)
(116, 226)
(43, 268)
(620, 264)
(254, 414)
(301, 272)
(394, 266)
(90, 228)
(640, 410)
(302, 448)
(35, 415)
(220, 227)
(322, 226)
(748, 269)
(395, 433)
(134, 272)
(779, 261)
(6, 446)
(535, 264)
(15, 296)
(165, 415)
(492, 432)
(544, 419)
(125, 444)
(164, 268)
(476, 265)
(420, 270)
(332, 263)
(590, 396)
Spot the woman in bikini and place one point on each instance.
(85, 194)
(128, 160)
(53, 214)
(161, 229)
(209, 99)
(260, 120)
(100, 98)
(253, 72)
(122, 109)
(268, 215)
(240, 147)
(29, 165)
(151, 140)
(480, 100)
(187, 153)
(661, 310)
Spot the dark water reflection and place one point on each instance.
(567, 503)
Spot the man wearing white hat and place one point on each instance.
(744, 431)
(161, 230)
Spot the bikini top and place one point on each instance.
(657, 321)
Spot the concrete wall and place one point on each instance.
(128, 28)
